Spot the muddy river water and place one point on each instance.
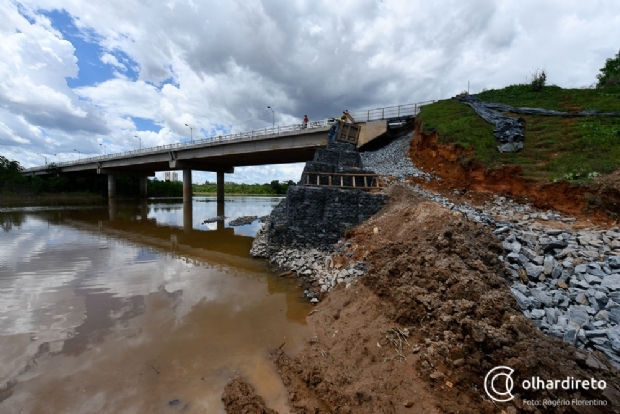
(139, 308)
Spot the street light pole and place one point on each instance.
(191, 133)
(104, 149)
(140, 141)
(78, 153)
(273, 117)
(43, 157)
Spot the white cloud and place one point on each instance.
(218, 65)
(109, 59)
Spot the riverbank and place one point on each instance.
(435, 312)
(452, 278)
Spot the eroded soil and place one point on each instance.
(598, 200)
(420, 331)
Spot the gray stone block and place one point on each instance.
(523, 301)
(570, 336)
(578, 316)
(614, 262)
(612, 282)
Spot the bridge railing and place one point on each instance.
(360, 116)
(390, 112)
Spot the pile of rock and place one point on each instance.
(568, 282)
(242, 221)
(392, 159)
(317, 270)
(214, 219)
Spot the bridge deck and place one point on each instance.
(277, 145)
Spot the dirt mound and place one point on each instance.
(239, 398)
(444, 280)
(433, 315)
(349, 366)
(599, 200)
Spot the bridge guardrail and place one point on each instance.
(359, 116)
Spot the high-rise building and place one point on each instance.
(171, 176)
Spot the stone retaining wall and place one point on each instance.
(319, 216)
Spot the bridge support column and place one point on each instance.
(111, 186)
(220, 186)
(143, 183)
(187, 186)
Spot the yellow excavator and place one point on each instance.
(346, 117)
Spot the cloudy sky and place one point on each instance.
(90, 76)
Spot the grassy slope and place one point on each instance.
(555, 148)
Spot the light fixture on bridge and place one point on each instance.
(78, 153)
(191, 133)
(139, 141)
(273, 117)
(43, 157)
(104, 149)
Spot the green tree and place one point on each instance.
(610, 73)
(11, 178)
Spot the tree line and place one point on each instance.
(274, 188)
(14, 183)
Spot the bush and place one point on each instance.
(539, 79)
(610, 73)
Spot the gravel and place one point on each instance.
(392, 160)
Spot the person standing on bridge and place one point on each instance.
(306, 120)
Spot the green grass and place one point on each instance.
(555, 148)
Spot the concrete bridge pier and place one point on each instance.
(220, 187)
(111, 186)
(143, 186)
(187, 186)
(188, 209)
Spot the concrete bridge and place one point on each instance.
(221, 154)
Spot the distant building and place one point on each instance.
(171, 176)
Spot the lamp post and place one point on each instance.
(191, 133)
(104, 149)
(78, 153)
(43, 157)
(56, 158)
(273, 117)
(139, 141)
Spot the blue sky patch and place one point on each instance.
(143, 124)
(169, 81)
(88, 52)
(217, 130)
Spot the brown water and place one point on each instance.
(138, 309)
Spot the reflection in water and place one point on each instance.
(188, 216)
(127, 308)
